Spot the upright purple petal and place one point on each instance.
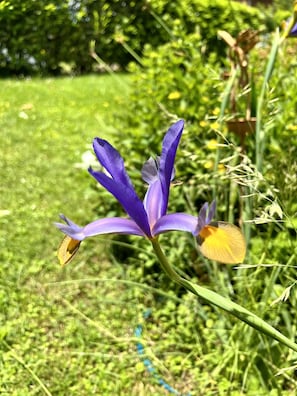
(293, 31)
(150, 170)
(205, 215)
(111, 160)
(177, 222)
(170, 144)
(153, 202)
(127, 197)
(112, 225)
(211, 211)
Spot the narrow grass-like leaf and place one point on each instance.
(260, 136)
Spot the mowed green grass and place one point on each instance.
(60, 335)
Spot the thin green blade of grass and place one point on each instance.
(31, 372)
(260, 140)
(224, 104)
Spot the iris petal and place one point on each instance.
(293, 32)
(211, 212)
(205, 216)
(150, 170)
(112, 161)
(153, 202)
(70, 228)
(127, 197)
(177, 222)
(112, 225)
(170, 144)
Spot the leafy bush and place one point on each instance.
(182, 77)
(175, 79)
(47, 36)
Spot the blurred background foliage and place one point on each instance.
(54, 36)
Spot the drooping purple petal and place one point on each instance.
(69, 228)
(177, 222)
(112, 161)
(170, 144)
(153, 202)
(127, 197)
(112, 225)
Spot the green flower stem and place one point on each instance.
(221, 302)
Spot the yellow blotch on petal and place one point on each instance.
(68, 249)
(222, 242)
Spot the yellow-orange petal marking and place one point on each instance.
(68, 249)
(223, 242)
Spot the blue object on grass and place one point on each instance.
(148, 363)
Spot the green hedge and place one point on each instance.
(37, 36)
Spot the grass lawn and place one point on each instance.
(60, 335)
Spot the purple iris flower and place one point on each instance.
(149, 217)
